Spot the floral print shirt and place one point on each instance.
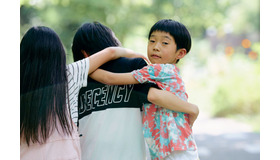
(165, 130)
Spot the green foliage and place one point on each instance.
(238, 91)
(223, 85)
(125, 16)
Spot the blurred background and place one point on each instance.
(221, 72)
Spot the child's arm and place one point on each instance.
(159, 97)
(110, 53)
(170, 101)
(111, 78)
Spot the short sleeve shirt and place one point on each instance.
(77, 74)
(110, 121)
(60, 146)
(165, 130)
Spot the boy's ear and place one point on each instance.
(181, 53)
(84, 53)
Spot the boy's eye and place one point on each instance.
(152, 41)
(165, 43)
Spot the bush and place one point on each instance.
(238, 91)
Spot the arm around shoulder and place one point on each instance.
(111, 78)
(110, 53)
(170, 101)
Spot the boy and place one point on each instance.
(109, 116)
(168, 133)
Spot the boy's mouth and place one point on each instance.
(155, 56)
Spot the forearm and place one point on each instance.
(170, 101)
(99, 58)
(110, 53)
(111, 78)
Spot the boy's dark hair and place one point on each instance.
(92, 38)
(176, 29)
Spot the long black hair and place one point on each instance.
(92, 38)
(43, 86)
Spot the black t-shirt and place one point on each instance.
(97, 96)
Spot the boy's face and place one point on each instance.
(162, 48)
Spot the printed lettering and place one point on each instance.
(82, 107)
(129, 89)
(88, 104)
(96, 92)
(106, 95)
(119, 94)
(103, 98)
(111, 93)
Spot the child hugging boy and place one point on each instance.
(167, 132)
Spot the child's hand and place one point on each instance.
(193, 117)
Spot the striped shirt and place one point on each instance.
(77, 74)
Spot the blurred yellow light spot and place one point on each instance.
(246, 43)
(253, 55)
(229, 51)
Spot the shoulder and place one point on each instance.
(78, 71)
(133, 63)
(138, 63)
(124, 64)
(84, 63)
(162, 67)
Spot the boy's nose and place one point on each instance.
(156, 47)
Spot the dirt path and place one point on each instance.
(225, 139)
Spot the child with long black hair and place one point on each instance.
(48, 90)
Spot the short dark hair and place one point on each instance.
(176, 29)
(92, 38)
